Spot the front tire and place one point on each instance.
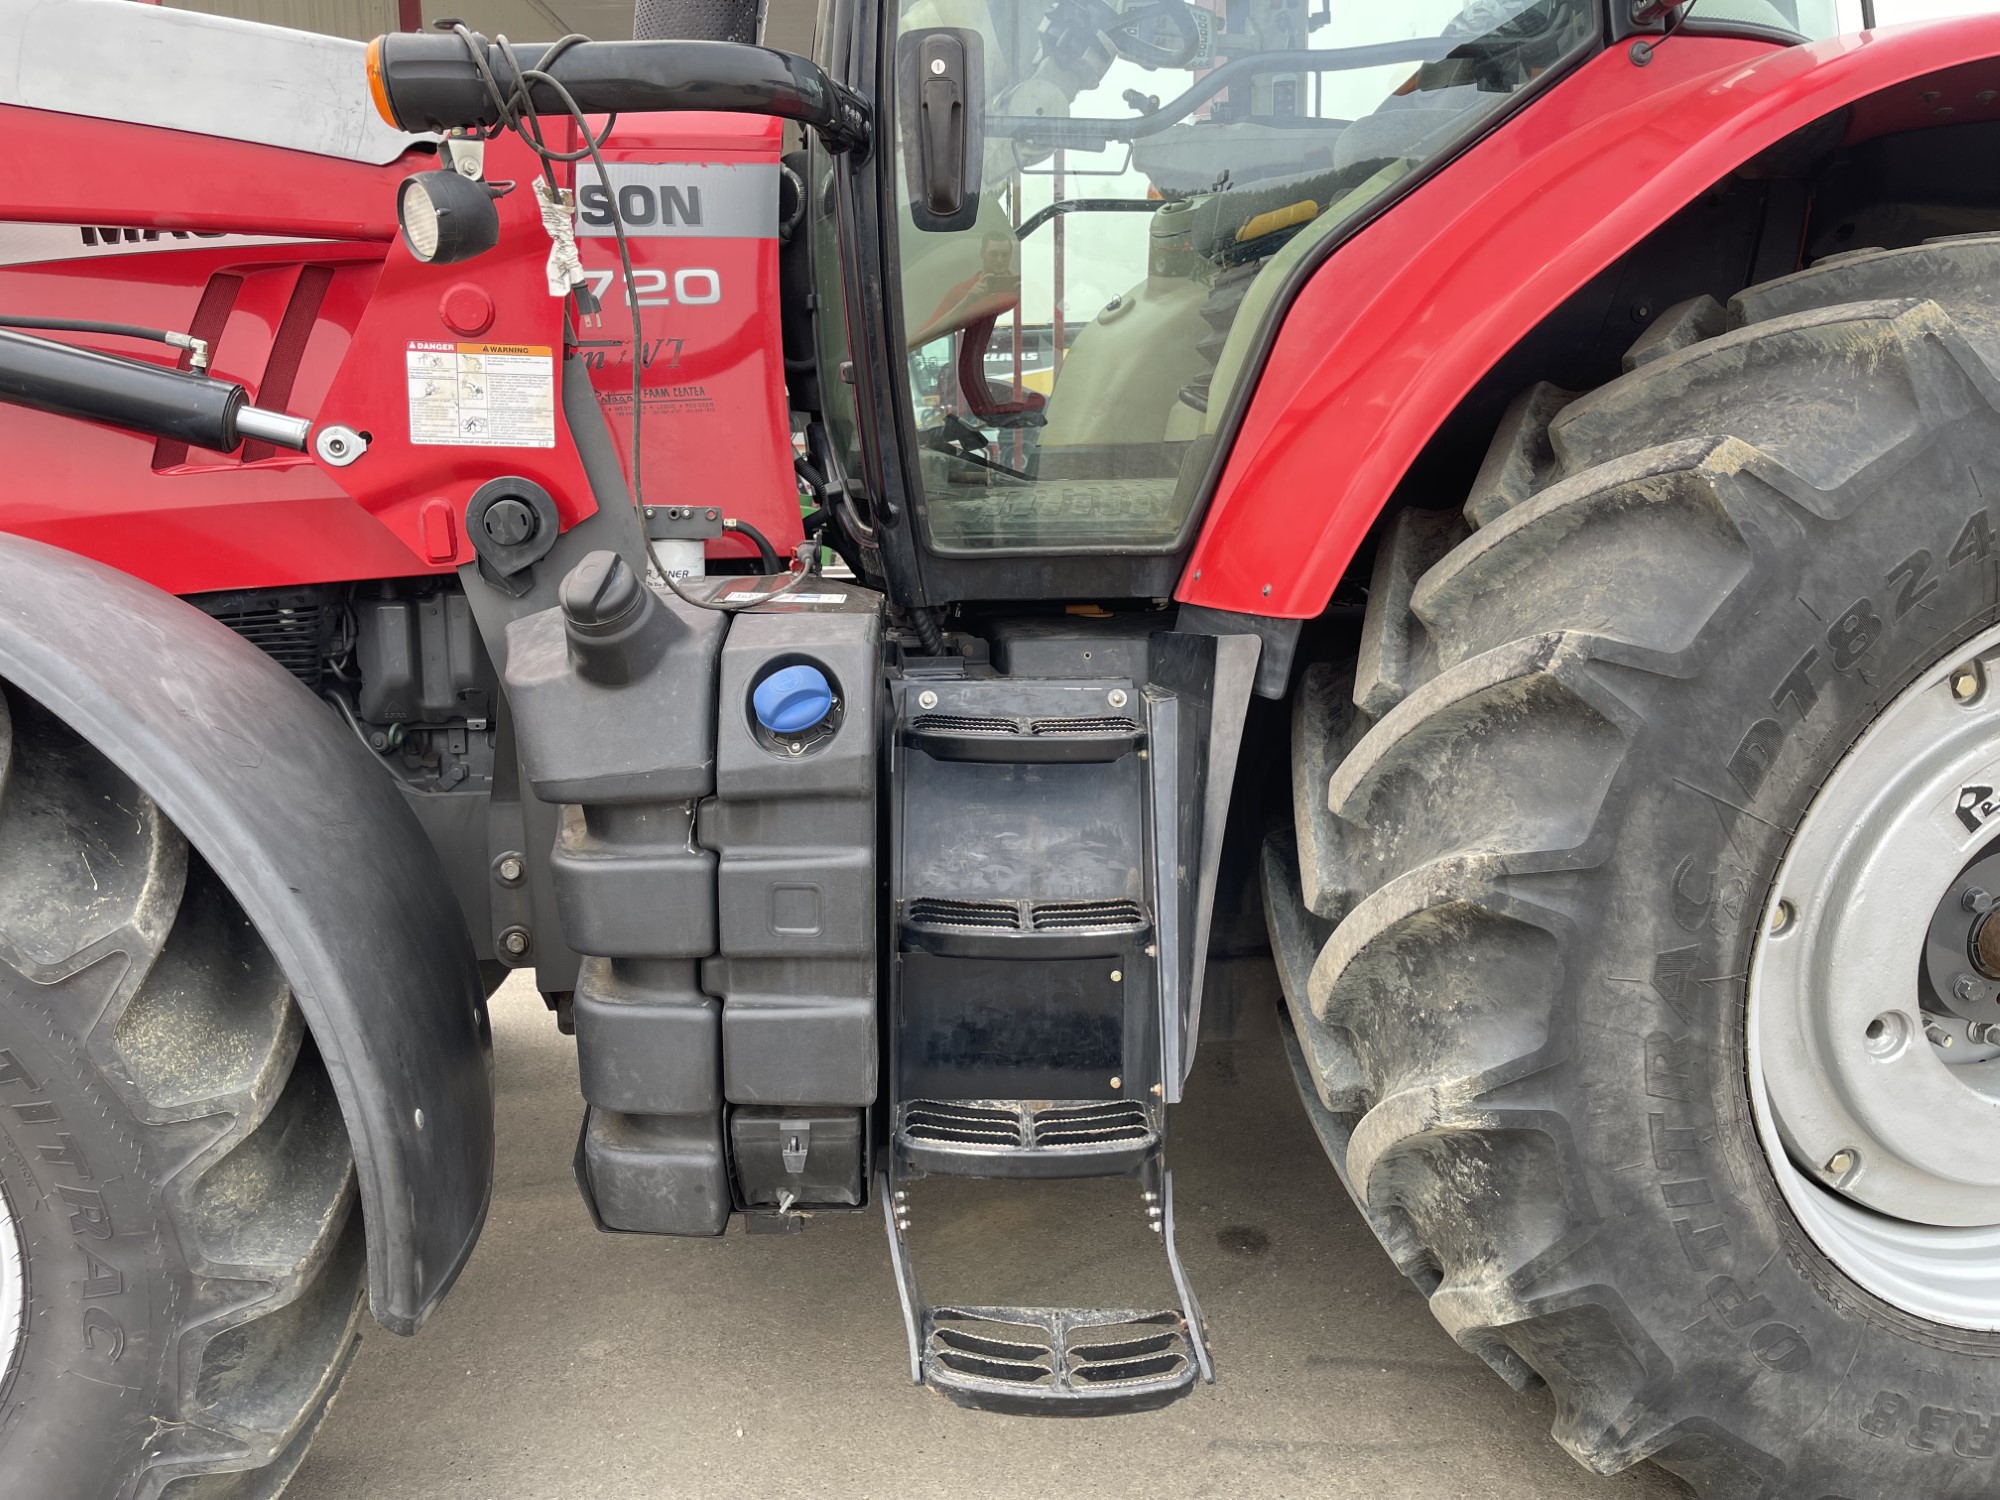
(1537, 827)
(182, 1272)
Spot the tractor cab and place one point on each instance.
(1090, 220)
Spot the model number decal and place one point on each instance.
(693, 286)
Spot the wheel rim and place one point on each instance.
(13, 1288)
(1874, 1082)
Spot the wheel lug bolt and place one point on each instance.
(1965, 684)
(1840, 1164)
(1938, 1035)
(1979, 1033)
(1976, 900)
(1967, 988)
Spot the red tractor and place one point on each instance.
(838, 608)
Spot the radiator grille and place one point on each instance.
(294, 627)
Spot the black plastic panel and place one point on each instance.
(794, 836)
(795, 1157)
(646, 1174)
(615, 707)
(985, 1028)
(648, 1041)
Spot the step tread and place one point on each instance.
(1114, 1357)
(1026, 1138)
(1074, 1361)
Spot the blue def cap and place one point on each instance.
(792, 699)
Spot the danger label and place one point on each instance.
(482, 395)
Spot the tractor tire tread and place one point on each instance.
(201, 1046)
(1422, 959)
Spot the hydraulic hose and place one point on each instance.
(765, 551)
(114, 330)
(44, 375)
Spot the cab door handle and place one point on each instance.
(941, 122)
(940, 108)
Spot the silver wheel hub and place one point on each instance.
(1874, 1076)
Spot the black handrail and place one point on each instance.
(431, 82)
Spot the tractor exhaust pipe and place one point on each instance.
(44, 375)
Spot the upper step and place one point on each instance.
(1024, 740)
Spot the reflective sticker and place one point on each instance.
(482, 395)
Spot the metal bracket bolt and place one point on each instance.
(339, 446)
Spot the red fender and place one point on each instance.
(1403, 320)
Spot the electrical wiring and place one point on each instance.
(517, 112)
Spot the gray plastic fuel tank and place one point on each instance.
(613, 696)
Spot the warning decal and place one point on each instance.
(482, 395)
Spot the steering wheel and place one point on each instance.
(1136, 35)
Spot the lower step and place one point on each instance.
(1055, 1361)
(1040, 1359)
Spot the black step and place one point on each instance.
(1055, 1361)
(1025, 1138)
(1029, 1359)
(1012, 928)
(1024, 740)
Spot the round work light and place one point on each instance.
(446, 217)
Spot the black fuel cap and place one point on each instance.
(600, 594)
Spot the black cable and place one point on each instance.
(107, 330)
(533, 139)
(927, 632)
(1677, 19)
(810, 477)
(765, 550)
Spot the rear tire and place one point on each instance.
(1536, 826)
(176, 1183)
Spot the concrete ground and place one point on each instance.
(573, 1365)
